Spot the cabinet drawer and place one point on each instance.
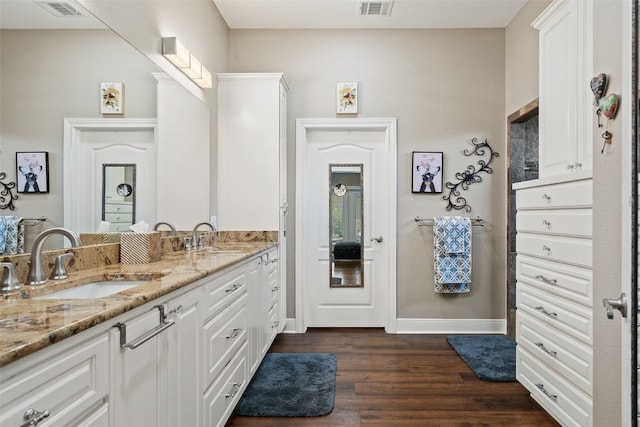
(564, 195)
(574, 283)
(118, 218)
(570, 358)
(571, 250)
(118, 208)
(221, 398)
(567, 222)
(564, 402)
(67, 385)
(223, 335)
(223, 290)
(568, 317)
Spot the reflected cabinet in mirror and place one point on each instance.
(119, 196)
(345, 226)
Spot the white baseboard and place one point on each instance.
(436, 326)
(451, 326)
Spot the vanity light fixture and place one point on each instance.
(180, 56)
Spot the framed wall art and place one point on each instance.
(427, 172)
(112, 98)
(32, 171)
(347, 98)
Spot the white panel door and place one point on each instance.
(366, 306)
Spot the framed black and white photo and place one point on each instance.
(426, 175)
(32, 172)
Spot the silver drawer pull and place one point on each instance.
(234, 391)
(146, 337)
(546, 224)
(234, 333)
(546, 249)
(551, 396)
(542, 347)
(275, 324)
(233, 288)
(546, 280)
(33, 417)
(542, 310)
(546, 198)
(275, 289)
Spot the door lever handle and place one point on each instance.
(619, 304)
(377, 239)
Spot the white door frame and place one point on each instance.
(388, 125)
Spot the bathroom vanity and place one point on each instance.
(179, 349)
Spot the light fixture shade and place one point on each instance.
(194, 70)
(176, 52)
(205, 81)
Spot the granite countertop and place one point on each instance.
(28, 325)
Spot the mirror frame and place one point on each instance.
(635, 169)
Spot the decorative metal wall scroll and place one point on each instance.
(6, 193)
(469, 176)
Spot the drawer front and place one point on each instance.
(222, 291)
(224, 334)
(566, 222)
(221, 398)
(68, 385)
(117, 218)
(571, 358)
(568, 317)
(564, 402)
(564, 249)
(574, 283)
(555, 196)
(118, 208)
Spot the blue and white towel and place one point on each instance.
(11, 235)
(452, 254)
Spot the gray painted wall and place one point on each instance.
(444, 87)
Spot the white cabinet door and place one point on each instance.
(565, 71)
(254, 320)
(185, 360)
(138, 374)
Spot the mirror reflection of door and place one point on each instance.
(345, 226)
(119, 196)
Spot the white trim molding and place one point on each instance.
(451, 326)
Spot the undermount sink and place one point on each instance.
(94, 290)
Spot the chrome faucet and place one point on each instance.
(36, 274)
(10, 281)
(199, 243)
(173, 229)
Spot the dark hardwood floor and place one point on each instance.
(404, 380)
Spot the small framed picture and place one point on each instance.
(347, 98)
(32, 171)
(426, 172)
(112, 98)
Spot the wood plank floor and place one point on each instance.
(404, 380)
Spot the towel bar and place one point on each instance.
(33, 221)
(429, 221)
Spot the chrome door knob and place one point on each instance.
(619, 304)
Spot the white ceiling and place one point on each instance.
(297, 14)
(344, 14)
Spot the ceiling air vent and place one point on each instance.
(376, 8)
(61, 8)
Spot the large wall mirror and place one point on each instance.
(345, 226)
(72, 56)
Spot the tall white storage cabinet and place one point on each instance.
(252, 158)
(554, 289)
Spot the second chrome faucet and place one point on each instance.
(36, 274)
